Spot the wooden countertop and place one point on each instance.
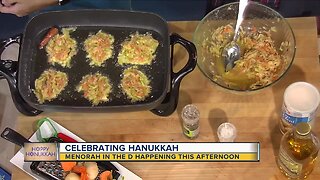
(255, 116)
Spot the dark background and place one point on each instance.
(169, 9)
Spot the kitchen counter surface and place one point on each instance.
(255, 116)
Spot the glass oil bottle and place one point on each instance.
(298, 152)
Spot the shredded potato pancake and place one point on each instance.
(49, 85)
(135, 84)
(99, 48)
(139, 50)
(61, 48)
(95, 87)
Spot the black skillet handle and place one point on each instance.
(169, 105)
(14, 137)
(8, 70)
(7, 42)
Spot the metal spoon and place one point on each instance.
(232, 52)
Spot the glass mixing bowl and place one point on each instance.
(266, 41)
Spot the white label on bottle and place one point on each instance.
(296, 117)
(300, 103)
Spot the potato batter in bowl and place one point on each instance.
(260, 63)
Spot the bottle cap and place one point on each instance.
(303, 128)
(302, 98)
(190, 114)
